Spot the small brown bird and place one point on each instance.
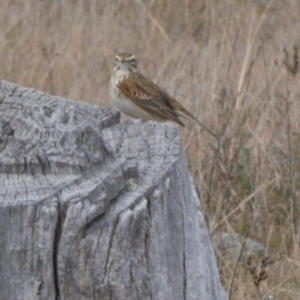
(140, 98)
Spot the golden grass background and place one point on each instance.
(224, 61)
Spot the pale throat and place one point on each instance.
(119, 71)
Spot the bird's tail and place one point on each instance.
(189, 116)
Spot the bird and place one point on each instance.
(138, 97)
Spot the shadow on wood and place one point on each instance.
(91, 208)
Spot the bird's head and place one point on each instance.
(125, 63)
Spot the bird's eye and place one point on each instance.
(132, 61)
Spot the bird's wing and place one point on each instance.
(149, 96)
(175, 106)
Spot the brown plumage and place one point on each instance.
(139, 97)
(149, 97)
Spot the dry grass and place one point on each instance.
(225, 61)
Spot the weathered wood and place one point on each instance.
(93, 209)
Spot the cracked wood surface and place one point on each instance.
(91, 208)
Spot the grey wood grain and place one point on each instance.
(91, 208)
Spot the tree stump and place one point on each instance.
(91, 208)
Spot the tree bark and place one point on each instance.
(91, 208)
